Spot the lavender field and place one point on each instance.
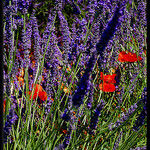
(75, 75)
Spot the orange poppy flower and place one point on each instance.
(108, 78)
(106, 87)
(128, 57)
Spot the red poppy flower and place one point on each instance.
(34, 95)
(108, 78)
(128, 57)
(38, 89)
(43, 95)
(106, 87)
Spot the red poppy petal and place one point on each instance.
(42, 95)
(130, 57)
(109, 78)
(107, 87)
(34, 95)
(102, 76)
(38, 88)
(121, 57)
(139, 58)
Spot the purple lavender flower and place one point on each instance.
(66, 141)
(58, 4)
(68, 137)
(37, 38)
(8, 84)
(11, 118)
(91, 6)
(23, 6)
(109, 31)
(139, 148)
(66, 115)
(76, 8)
(141, 13)
(8, 37)
(26, 39)
(124, 117)
(83, 86)
(144, 96)
(47, 32)
(117, 141)
(48, 106)
(15, 7)
(90, 96)
(118, 76)
(65, 36)
(94, 119)
(140, 120)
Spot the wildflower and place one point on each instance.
(108, 78)
(128, 57)
(108, 32)
(106, 87)
(116, 144)
(84, 84)
(139, 148)
(21, 80)
(95, 116)
(66, 142)
(118, 75)
(37, 39)
(11, 118)
(26, 39)
(124, 117)
(90, 96)
(65, 36)
(66, 115)
(67, 137)
(42, 95)
(141, 118)
(38, 89)
(76, 8)
(64, 131)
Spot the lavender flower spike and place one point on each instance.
(84, 82)
(11, 118)
(124, 117)
(63, 145)
(108, 32)
(141, 118)
(94, 118)
(66, 116)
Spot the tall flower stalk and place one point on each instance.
(108, 32)
(84, 84)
